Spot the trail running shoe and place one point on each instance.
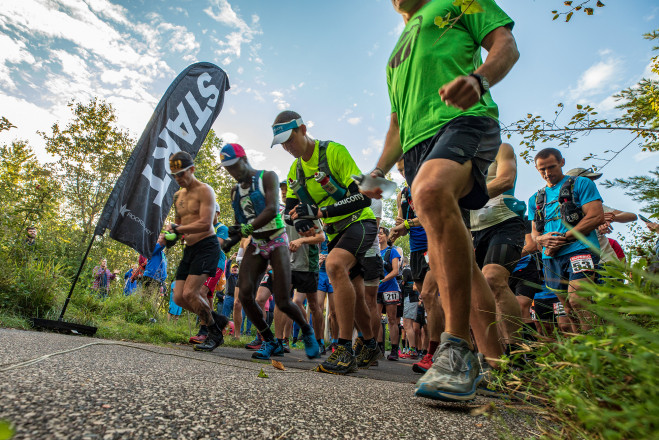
(412, 354)
(215, 337)
(287, 348)
(339, 362)
(393, 356)
(268, 348)
(423, 365)
(198, 339)
(368, 357)
(255, 344)
(486, 386)
(323, 349)
(357, 346)
(454, 374)
(311, 345)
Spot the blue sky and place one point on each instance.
(324, 59)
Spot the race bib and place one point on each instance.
(391, 297)
(559, 310)
(582, 263)
(425, 255)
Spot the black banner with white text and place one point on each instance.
(141, 198)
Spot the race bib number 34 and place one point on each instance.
(582, 263)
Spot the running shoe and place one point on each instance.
(357, 346)
(287, 348)
(215, 337)
(339, 362)
(393, 356)
(255, 344)
(487, 387)
(333, 346)
(323, 349)
(412, 354)
(402, 353)
(423, 365)
(454, 374)
(368, 357)
(198, 339)
(311, 345)
(268, 348)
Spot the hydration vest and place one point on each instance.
(255, 195)
(323, 167)
(570, 213)
(406, 204)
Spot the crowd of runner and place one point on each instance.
(485, 272)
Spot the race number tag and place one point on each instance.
(582, 263)
(425, 255)
(390, 297)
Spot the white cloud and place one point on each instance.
(278, 99)
(230, 138)
(310, 124)
(15, 52)
(222, 12)
(645, 155)
(255, 157)
(354, 121)
(601, 77)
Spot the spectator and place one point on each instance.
(31, 238)
(102, 278)
(129, 285)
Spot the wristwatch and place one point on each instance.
(482, 82)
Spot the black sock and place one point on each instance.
(370, 343)
(394, 349)
(306, 329)
(267, 335)
(347, 343)
(320, 342)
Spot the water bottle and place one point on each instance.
(328, 186)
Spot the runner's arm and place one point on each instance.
(349, 204)
(394, 270)
(506, 171)
(594, 216)
(392, 151)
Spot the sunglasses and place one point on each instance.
(180, 173)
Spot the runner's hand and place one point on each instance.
(397, 232)
(399, 220)
(463, 92)
(604, 228)
(304, 226)
(294, 245)
(552, 240)
(306, 211)
(375, 193)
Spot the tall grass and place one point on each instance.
(602, 384)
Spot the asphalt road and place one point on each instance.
(140, 391)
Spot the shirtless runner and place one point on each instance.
(194, 205)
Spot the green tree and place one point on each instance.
(90, 153)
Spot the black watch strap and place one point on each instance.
(479, 78)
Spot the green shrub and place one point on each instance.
(29, 287)
(602, 384)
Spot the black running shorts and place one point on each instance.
(304, 282)
(475, 138)
(356, 239)
(500, 244)
(199, 259)
(418, 265)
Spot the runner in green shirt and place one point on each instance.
(320, 186)
(445, 122)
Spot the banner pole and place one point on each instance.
(75, 280)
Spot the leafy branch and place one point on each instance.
(467, 7)
(5, 124)
(581, 6)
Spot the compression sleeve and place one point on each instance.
(349, 204)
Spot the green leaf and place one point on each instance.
(579, 106)
(569, 16)
(262, 374)
(6, 431)
(600, 4)
(588, 11)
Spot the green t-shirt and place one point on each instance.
(420, 65)
(342, 167)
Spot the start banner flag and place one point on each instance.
(141, 198)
